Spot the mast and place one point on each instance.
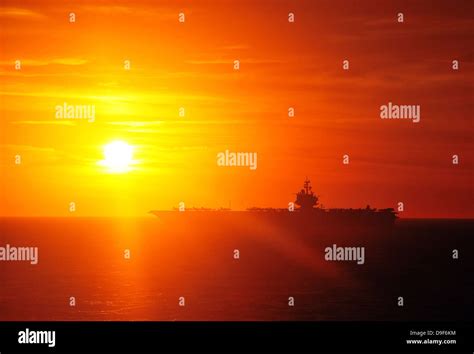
(307, 185)
(306, 198)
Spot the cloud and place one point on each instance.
(44, 122)
(235, 47)
(136, 123)
(16, 12)
(231, 61)
(18, 147)
(44, 62)
(156, 11)
(69, 61)
(210, 61)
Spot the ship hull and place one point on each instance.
(307, 225)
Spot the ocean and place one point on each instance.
(138, 269)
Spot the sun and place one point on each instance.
(118, 157)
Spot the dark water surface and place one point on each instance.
(84, 258)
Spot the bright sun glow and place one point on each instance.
(118, 156)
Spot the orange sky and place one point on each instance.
(190, 65)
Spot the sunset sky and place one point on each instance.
(191, 65)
